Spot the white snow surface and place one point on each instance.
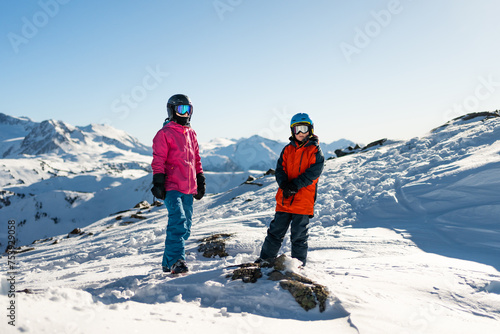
(406, 238)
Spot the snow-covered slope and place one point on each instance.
(56, 177)
(12, 132)
(404, 237)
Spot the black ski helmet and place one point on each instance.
(177, 100)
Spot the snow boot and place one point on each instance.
(266, 263)
(179, 267)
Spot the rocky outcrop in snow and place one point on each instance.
(307, 293)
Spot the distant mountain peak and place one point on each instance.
(6, 119)
(252, 153)
(21, 136)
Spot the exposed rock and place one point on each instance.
(142, 205)
(249, 274)
(214, 245)
(299, 278)
(276, 276)
(302, 293)
(302, 288)
(27, 291)
(19, 250)
(75, 232)
(321, 294)
(349, 150)
(356, 149)
(78, 231)
(307, 295)
(270, 171)
(279, 263)
(306, 292)
(379, 142)
(250, 179)
(483, 115)
(42, 240)
(213, 248)
(217, 236)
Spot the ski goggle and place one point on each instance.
(300, 128)
(183, 109)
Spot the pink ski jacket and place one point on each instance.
(176, 154)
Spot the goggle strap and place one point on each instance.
(301, 122)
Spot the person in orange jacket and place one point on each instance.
(297, 172)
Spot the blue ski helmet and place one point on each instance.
(179, 100)
(302, 118)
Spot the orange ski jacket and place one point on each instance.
(302, 164)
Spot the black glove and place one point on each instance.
(289, 188)
(200, 183)
(158, 189)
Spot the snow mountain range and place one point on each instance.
(405, 237)
(56, 176)
(254, 153)
(21, 136)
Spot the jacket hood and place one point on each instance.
(312, 140)
(175, 125)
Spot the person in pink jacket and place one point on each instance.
(177, 178)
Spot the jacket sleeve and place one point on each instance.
(280, 173)
(313, 172)
(198, 167)
(160, 153)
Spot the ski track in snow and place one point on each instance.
(406, 239)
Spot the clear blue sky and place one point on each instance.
(363, 70)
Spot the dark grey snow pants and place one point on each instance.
(276, 233)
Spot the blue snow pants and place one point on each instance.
(180, 213)
(276, 233)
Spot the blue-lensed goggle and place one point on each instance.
(300, 128)
(183, 109)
